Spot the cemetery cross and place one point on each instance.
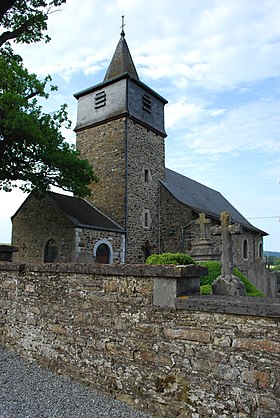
(226, 230)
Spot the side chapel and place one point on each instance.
(138, 206)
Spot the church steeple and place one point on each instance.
(122, 61)
(120, 130)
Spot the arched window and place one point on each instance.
(103, 254)
(260, 250)
(50, 251)
(245, 249)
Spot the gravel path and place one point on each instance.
(28, 391)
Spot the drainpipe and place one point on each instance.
(126, 171)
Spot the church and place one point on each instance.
(138, 206)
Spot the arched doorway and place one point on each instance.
(103, 254)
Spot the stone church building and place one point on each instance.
(138, 206)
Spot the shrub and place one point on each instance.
(170, 258)
(214, 271)
(206, 289)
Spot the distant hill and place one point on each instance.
(272, 253)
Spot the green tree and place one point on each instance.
(26, 20)
(32, 148)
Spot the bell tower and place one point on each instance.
(120, 130)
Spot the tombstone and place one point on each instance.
(227, 283)
(203, 248)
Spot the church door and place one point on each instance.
(103, 254)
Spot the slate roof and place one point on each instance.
(202, 199)
(81, 213)
(121, 62)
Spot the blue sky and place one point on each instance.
(217, 62)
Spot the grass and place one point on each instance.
(214, 271)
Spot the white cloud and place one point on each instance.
(181, 112)
(241, 129)
(211, 43)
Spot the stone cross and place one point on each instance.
(226, 230)
(202, 222)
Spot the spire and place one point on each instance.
(122, 61)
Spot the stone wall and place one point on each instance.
(104, 147)
(145, 151)
(87, 240)
(36, 223)
(99, 325)
(177, 230)
(265, 280)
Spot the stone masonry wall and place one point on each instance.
(104, 147)
(88, 238)
(145, 150)
(31, 231)
(99, 325)
(176, 232)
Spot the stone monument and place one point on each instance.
(203, 247)
(227, 283)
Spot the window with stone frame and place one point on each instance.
(245, 249)
(146, 175)
(146, 219)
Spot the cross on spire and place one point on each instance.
(122, 27)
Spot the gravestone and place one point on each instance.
(227, 283)
(203, 248)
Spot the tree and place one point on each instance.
(32, 148)
(25, 20)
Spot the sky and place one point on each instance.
(217, 62)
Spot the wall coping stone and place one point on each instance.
(142, 270)
(237, 305)
(242, 305)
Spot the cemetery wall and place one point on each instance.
(99, 325)
(265, 280)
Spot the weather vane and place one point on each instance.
(122, 26)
